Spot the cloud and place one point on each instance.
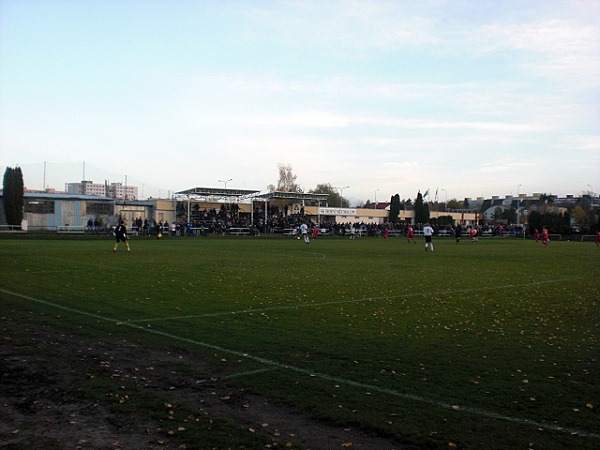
(401, 165)
(501, 167)
(558, 49)
(343, 26)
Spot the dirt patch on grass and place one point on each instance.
(66, 391)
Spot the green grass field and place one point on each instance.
(492, 344)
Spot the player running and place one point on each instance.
(545, 237)
(304, 232)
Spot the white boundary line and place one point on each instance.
(355, 300)
(249, 372)
(323, 376)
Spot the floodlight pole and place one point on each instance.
(518, 201)
(445, 200)
(225, 181)
(519, 207)
(342, 195)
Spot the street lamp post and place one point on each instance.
(342, 195)
(445, 200)
(225, 181)
(518, 201)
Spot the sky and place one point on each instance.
(464, 98)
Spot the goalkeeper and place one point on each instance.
(121, 236)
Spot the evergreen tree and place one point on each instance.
(13, 189)
(535, 221)
(421, 209)
(426, 214)
(394, 208)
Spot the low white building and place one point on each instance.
(43, 211)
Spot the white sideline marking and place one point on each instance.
(38, 272)
(249, 372)
(355, 300)
(320, 255)
(323, 376)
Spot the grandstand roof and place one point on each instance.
(224, 193)
(215, 192)
(292, 196)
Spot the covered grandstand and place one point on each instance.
(259, 208)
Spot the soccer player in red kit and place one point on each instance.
(545, 237)
(410, 235)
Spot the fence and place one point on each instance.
(11, 229)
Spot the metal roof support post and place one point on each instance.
(266, 204)
(189, 206)
(319, 213)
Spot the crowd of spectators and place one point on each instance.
(227, 220)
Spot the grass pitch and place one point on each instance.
(492, 344)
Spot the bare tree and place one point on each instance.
(287, 180)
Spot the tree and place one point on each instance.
(535, 221)
(584, 216)
(421, 209)
(454, 204)
(287, 180)
(442, 221)
(498, 213)
(13, 189)
(555, 222)
(547, 198)
(394, 208)
(596, 227)
(581, 218)
(333, 198)
(509, 215)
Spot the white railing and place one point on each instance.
(11, 229)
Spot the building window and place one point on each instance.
(39, 206)
(99, 208)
